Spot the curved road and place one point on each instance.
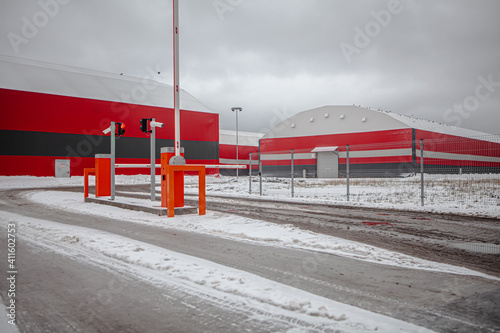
(450, 239)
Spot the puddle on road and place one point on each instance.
(479, 247)
(376, 223)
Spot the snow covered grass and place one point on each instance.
(471, 194)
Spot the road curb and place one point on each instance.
(160, 211)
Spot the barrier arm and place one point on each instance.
(208, 166)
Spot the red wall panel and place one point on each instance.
(457, 145)
(229, 151)
(28, 111)
(391, 139)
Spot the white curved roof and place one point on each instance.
(432, 126)
(35, 76)
(328, 120)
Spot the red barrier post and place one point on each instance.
(102, 175)
(166, 154)
(86, 173)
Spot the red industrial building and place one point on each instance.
(55, 113)
(380, 144)
(248, 143)
(51, 112)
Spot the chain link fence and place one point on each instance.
(455, 173)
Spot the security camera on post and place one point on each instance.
(153, 123)
(119, 129)
(144, 128)
(156, 124)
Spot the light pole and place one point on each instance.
(237, 110)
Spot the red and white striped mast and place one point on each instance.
(177, 126)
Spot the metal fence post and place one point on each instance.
(293, 194)
(422, 170)
(260, 176)
(260, 169)
(113, 139)
(250, 174)
(347, 172)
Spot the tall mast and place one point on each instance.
(177, 128)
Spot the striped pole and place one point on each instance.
(177, 122)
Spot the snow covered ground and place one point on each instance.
(228, 226)
(475, 195)
(249, 230)
(166, 268)
(160, 266)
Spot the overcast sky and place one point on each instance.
(434, 59)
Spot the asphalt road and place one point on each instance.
(436, 237)
(57, 293)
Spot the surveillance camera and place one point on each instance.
(107, 130)
(156, 124)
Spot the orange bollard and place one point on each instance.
(170, 183)
(102, 175)
(202, 210)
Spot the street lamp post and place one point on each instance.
(237, 110)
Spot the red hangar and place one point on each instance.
(51, 112)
